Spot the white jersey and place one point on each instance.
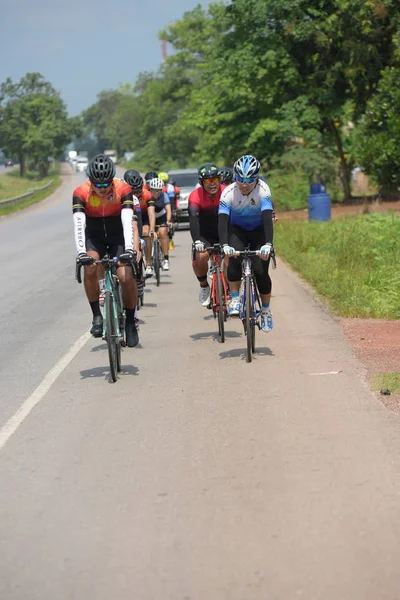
(245, 211)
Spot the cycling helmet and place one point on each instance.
(163, 176)
(247, 166)
(207, 170)
(156, 183)
(226, 174)
(101, 169)
(150, 175)
(134, 179)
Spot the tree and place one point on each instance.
(33, 121)
(379, 135)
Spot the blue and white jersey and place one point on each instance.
(245, 211)
(160, 204)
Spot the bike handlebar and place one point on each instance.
(106, 261)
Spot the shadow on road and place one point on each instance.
(149, 305)
(241, 352)
(213, 335)
(104, 372)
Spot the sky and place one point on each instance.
(84, 46)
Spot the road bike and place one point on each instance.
(112, 310)
(219, 293)
(157, 255)
(250, 301)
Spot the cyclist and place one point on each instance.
(226, 174)
(163, 216)
(169, 189)
(103, 215)
(148, 176)
(245, 217)
(133, 179)
(203, 220)
(147, 209)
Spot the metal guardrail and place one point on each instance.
(17, 199)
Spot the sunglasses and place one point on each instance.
(212, 180)
(245, 179)
(102, 185)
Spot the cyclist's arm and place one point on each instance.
(224, 213)
(194, 216)
(151, 211)
(79, 217)
(127, 226)
(168, 210)
(267, 214)
(139, 221)
(136, 236)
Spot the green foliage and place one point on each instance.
(289, 188)
(277, 78)
(379, 135)
(352, 262)
(11, 185)
(33, 121)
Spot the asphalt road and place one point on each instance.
(196, 476)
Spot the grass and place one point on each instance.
(353, 262)
(390, 381)
(11, 184)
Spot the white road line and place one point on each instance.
(15, 421)
(328, 373)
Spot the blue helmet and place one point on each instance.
(247, 166)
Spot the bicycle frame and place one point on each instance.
(216, 259)
(248, 276)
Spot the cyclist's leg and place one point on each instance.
(95, 247)
(200, 268)
(238, 240)
(146, 237)
(163, 234)
(263, 279)
(129, 295)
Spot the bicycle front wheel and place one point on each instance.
(111, 335)
(220, 306)
(250, 333)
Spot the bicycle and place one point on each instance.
(113, 311)
(219, 293)
(157, 255)
(141, 278)
(250, 302)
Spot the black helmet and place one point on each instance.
(226, 174)
(207, 170)
(101, 169)
(134, 179)
(150, 175)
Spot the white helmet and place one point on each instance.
(156, 183)
(247, 166)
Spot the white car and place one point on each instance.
(186, 180)
(81, 164)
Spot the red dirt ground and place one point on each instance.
(377, 344)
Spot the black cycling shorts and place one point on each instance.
(159, 220)
(239, 239)
(105, 245)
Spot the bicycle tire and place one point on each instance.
(220, 306)
(156, 261)
(111, 335)
(249, 325)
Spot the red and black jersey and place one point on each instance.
(103, 214)
(203, 213)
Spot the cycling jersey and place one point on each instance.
(146, 200)
(160, 203)
(103, 217)
(245, 211)
(203, 214)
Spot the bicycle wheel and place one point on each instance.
(156, 261)
(111, 335)
(250, 333)
(220, 306)
(121, 323)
